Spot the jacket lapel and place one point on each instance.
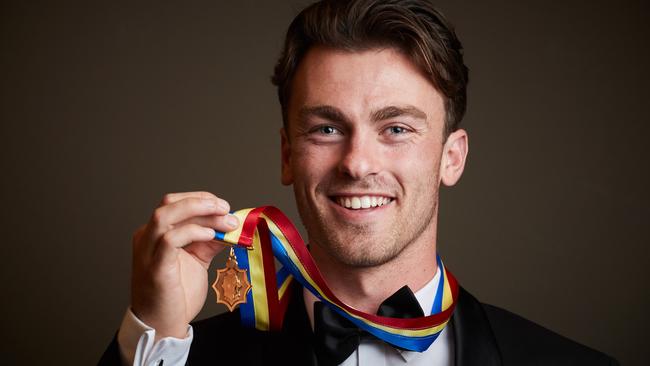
(297, 329)
(474, 341)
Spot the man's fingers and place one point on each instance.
(223, 223)
(165, 217)
(180, 237)
(205, 251)
(175, 197)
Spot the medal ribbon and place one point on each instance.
(267, 233)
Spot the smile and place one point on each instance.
(362, 202)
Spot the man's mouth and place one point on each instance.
(362, 202)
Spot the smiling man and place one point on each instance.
(372, 94)
(363, 149)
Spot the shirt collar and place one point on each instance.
(425, 297)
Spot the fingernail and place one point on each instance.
(232, 221)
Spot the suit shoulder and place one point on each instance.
(520, 339)
(222, 327)
(223, 338)
(214, 323)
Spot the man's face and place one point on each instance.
(363, 151)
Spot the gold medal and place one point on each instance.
(231, 285)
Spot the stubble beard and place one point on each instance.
(368, 245)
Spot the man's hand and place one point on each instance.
(171, 255)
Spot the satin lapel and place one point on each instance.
(298, 329)
(474, 341)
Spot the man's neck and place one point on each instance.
(365, 288)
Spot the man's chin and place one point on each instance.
(365, 260)
(367, 252)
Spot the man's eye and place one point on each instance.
(396, 130)
(327, 130)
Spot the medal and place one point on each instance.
(267, 234)
(231, 285)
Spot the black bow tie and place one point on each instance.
(336, 337)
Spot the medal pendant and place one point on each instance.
(231, 285)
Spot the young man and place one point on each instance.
(372, 93)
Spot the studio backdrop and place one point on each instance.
(107, 106)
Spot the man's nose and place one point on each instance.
(361, 157)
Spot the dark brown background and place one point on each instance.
(107, 106)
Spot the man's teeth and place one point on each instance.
(356, 203)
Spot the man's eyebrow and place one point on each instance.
(323, 111)
(334, 114)
(395, 111)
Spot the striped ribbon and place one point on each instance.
(267, 233)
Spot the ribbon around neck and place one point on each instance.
(267, 233)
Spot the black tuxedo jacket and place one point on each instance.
(484, 335)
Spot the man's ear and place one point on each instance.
(287, 174)
(454, 155)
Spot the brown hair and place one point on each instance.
(414, 27)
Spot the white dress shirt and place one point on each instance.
(137, 346)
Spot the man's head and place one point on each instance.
(372, 93)
(414, 27)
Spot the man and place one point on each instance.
(372, 94)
